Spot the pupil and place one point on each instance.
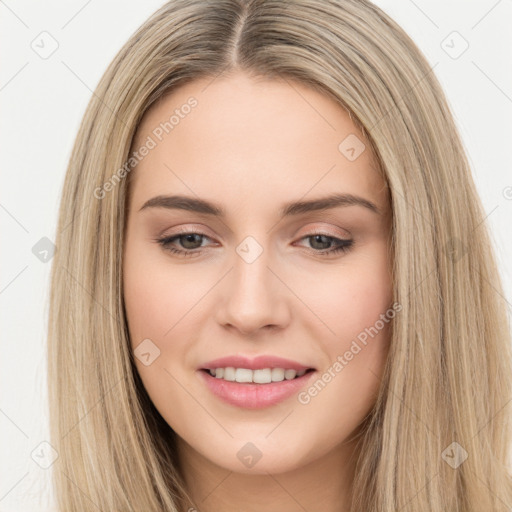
(325, 243)
(189, 238)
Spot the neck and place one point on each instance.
(323, 484)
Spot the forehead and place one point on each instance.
(262, 138)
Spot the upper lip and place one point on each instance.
(263, 361)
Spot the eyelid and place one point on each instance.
(203, 230)
(183, 230)
(316, 230)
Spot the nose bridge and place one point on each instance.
(251, 276)
(252, 298)
(252, 289)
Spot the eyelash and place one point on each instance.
(344, 245)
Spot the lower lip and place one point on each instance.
(254, 396)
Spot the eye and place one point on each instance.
(325, 243)
(190, 241)
(191, 245)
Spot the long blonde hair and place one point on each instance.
(448, 377)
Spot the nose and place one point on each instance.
(253, 297)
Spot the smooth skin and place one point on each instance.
(250, 145)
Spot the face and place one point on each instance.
(253, 274)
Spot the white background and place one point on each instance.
(43, 101)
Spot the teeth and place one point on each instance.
(263, 376)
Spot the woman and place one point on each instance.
(269, 295)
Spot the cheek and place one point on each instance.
(154, 297)
(157, 292)
(355, 296)
(358, 311)
(157, 302)
(148, 307)
(357, 308)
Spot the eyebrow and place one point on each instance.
(289, 209)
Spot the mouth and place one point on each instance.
(259, 376)
(248, 394)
